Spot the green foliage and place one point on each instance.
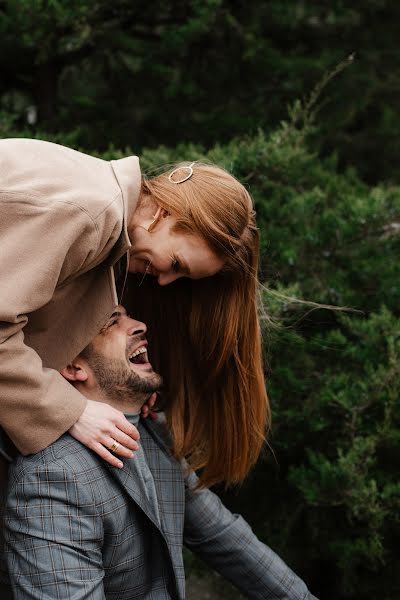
(334, 379)
(355, 409)
(140, 74)
(7, 122)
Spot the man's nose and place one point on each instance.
(136, 327)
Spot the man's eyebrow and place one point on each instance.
(117, 313)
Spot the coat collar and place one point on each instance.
(128, 176)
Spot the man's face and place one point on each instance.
(118, 359)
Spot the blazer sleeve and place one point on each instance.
(41, 245)
(53, 536)
(226, 542)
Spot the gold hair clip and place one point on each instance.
(188, 176)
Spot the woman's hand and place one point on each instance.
(146, 408)
(101, 428)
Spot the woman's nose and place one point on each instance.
(166, 278)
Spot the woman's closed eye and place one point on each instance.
(176, 267)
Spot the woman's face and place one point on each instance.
(168, 255)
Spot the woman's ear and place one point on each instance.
(74, 372)
(160, 213)
(163, 213)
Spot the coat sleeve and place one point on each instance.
(226, 542)
(41, 245)
(53, 536)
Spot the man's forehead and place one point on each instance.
(119, 311)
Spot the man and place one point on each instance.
(78, 528)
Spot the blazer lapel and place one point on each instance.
(169, 484)
(170, 489)
(134, 487)
(168, 480)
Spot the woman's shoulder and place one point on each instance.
(49, 173)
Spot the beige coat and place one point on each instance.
(63, 218)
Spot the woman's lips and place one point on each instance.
(151, 270)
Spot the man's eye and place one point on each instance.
(108, 325)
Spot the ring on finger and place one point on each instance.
(115, 446)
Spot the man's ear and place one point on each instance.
(75, 372)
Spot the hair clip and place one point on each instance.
(189, 168)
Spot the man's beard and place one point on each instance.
(119, 382)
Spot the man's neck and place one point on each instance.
(126, 405)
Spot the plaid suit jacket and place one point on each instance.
(77, 529)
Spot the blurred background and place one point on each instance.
(267, 90)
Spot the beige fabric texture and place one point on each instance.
(63, 219)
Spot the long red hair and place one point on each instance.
(205, 335)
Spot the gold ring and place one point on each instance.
(115, 446)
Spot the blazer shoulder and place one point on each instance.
(65, 454)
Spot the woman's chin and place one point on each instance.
(137, 265)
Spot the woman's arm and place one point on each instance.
(43, 243)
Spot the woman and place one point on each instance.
(67, 222)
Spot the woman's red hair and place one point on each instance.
(205, 334)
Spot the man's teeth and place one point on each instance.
(141, 350)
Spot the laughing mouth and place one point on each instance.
(139, 357)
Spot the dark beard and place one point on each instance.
(119, 382)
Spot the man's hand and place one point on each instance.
(103, 428)
(146, 408)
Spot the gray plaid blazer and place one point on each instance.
(79, 529)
